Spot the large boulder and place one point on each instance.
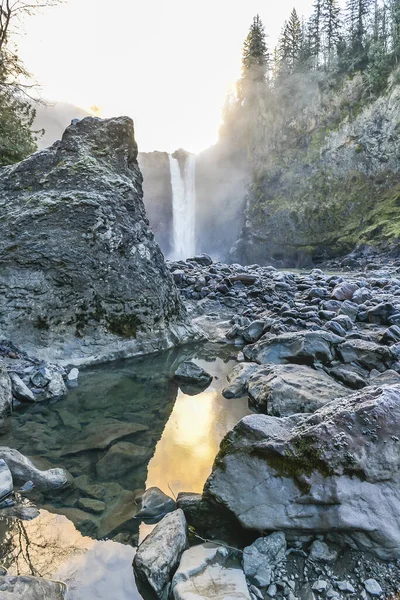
(283, 390)
(23, 469)
(81, 275)
(335, 472)
(299, 347)
(159, 554)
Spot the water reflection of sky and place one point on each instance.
(50, 546)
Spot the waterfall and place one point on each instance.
(183, 206)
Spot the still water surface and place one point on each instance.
(177, 438)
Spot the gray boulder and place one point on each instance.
(336, 471)
(344, 291)
(20, 390)
(155, 503)
(206, 572)
(5, 398)
(158, 555)
(300, 347)
(190, 373)
(31, 588)
(239, 379)
(23, 470)
(283, 390)
(261, 558)
(79, 202)
(367, 354)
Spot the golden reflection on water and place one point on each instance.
(185, 454)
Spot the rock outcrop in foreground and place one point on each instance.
(81, 276)
(335, 471)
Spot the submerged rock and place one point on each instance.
(79, 202)
(158, 555)
(31, 588)
(336, 471)
(24, 470)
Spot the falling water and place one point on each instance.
(183, 206)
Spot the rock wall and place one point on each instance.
(81, 276)
(157, 196)
(333, 184)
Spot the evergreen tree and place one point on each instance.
(394, 11)
(255, 58)
(358, 12)
(330, 27)
(315, 28)
(290, 42)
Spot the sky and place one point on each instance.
(167, 64)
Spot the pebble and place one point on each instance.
(373, 587)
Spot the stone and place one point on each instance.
(373, 587)
(6, 481)
(91, 505)
(298, 347)
(81, 200)
(101, 434)
(350, 310)
(336, 471)
(272, 590)
(381, 313)
(321, 552)
(262, 557)
(5, 398)
(283, 390)
(320, 585)
(367, 354)
(345, 586)
(154, 502)
(238, 380)
(159, 554)
(201, 259)
(190, 373)
(205, 572)
(121, 458)
(31, 588)
(348, 376)
(73, 375)
(344, 291)
(253, 332)
(23, 470)
(20, 390)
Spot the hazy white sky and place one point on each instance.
(167, 64)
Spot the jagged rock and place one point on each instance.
(373, 587)
(283, 390)
(31, 588)
(296, 347)
(321, 552)
(154, 502)
(190, 373)
(367, 354)
(239, 379)
(344, 291)
(158, 555)
(254, 331)
(23, 470)
(79, 202)
(20, 390)
(5, 398)
(262, 557)
(348, 376)
(204, 573)
(336, 471)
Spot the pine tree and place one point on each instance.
(394, 11)
(315, 28)
(255, 58)
(330, 27)
(358, 12)
(290, 42)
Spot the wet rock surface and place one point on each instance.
(31, 588)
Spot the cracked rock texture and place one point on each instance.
(335, 471)
(81, 277)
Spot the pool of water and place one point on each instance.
(126, 427)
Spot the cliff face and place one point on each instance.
(157, 196)
(81, 276)
(331, 188)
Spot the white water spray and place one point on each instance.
(183, 206)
